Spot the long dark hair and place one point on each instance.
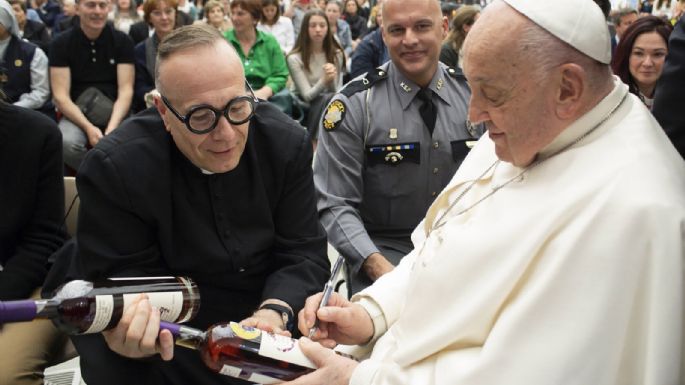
(466, 15)
(303, 45)
(620, 63)
(276, 16)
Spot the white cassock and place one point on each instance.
(572, 274)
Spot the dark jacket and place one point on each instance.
(668, 103)
(370, 54)
(37, 34)
(244, 236)
(31, 198)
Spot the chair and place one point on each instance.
(71, 204)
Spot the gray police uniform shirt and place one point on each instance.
(378, 169)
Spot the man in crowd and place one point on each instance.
(390, 142)
(623, 18)
(31, 30)
(555, 254)
(213, 185)
(91, 73)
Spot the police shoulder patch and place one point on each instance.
(335, 113)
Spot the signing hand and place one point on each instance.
(341, 322)
(136, 334)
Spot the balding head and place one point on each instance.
(192, 37)
(413, 31)
(504, 32)
(527, 85)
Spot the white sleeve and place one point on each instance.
(40, 84)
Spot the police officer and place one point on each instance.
(390, 141)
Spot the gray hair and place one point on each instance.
(616, 18)
(186, 37)
(545, 51)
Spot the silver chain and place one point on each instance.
(441, 220)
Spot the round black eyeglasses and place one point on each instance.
(203, 118)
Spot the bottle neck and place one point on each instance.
(185, 336)
(27, 310)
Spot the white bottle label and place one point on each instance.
(228, 370)
(285, 349)
(104, 306)
(169, 303)
(262, 379)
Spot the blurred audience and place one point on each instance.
(357, 22)
(273, 22)
(31, 30)
(339, 27)
(215, 15)
(372, 52)
(316, 66)
(92, 75)
(260, 53)
(622, 18)
(451, 51)
(23, 66)
(161, 15)
(124, 14)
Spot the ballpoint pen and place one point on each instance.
(328, 290)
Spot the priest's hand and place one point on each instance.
(332, 368)
(267, 320)
(341, 322)
(135, 336)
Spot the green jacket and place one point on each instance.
(264, 64)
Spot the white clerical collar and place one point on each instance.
(205, 171)
(587, 121)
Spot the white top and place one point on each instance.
(572, 274)
(310, 84)
(283, 32)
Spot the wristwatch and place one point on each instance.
(285, 312)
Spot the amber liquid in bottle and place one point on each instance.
(245, 353)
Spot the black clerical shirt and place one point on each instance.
(245, 235)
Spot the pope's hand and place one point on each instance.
(341, 322)
(332, 368)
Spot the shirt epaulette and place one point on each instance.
(456, 73)
(364, 83)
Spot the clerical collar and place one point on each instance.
(590, 119)
(206, 172)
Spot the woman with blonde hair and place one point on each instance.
(451, 53)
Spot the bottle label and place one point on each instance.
(283, 348)
(104, 307)
(228, 370)
(169, 303)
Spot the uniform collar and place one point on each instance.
(408, 89)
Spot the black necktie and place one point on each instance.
(428, 111)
